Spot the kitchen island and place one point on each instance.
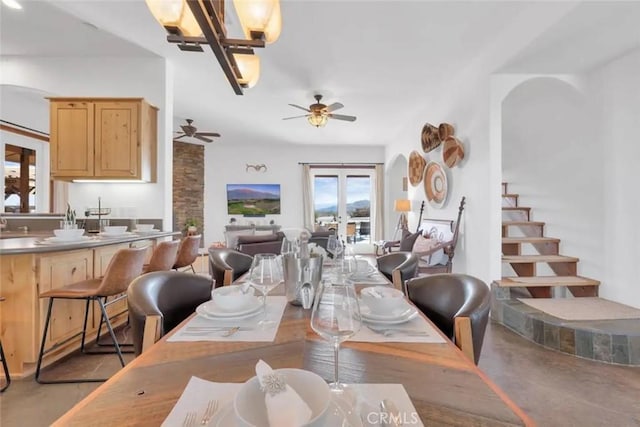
(32, 265)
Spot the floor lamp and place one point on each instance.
(402, 206)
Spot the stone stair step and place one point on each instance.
(522, 223)
(528, 259)
(546, 281)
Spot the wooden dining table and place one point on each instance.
(445, 387)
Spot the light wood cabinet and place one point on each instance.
(56, 271)
(103, 138)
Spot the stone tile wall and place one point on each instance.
(188, 185)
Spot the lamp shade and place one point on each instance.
(317, 120)
(402, 205)
(261, 16)
(249, 66)
(175, 13)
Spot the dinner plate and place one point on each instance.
(394, 318)
(212, 310)
(126, 233)
(337, 415)
(153, 230)
(59, 240)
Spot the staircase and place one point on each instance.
(517, 231)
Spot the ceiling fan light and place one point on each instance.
(249, 67)
(318, 120)
(175, 13)
(256, 15)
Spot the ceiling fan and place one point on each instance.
(319, 113)
(192, 131)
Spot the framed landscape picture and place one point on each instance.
(253, 199)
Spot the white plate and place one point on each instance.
(153, 230)
(366, 312)
(393, 319)
(111, 235)
(210, 309)
(59, 240)
(337, 415)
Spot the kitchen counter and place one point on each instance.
(30, 266)
(38, 244)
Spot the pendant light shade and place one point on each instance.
(318, 120)
(249, 66)
(175, 13)
(261, 16)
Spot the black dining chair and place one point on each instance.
(227, 265)
(398, 267)
(458, 304)
(159, 301)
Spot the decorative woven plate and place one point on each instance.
(435, 184)
(430, 138)
(445, 130)
(416, 167)
(452, 151)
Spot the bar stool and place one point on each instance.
(7, 377)
(188, 252)
(163, 258)
(125, 266)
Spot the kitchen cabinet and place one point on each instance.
(56, 271)
(103, 138)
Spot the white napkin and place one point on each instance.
(285, 407)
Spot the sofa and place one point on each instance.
(260, 244)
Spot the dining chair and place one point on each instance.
(458, 304)
(398, 267)
(188, 252)
(227, 265)
(159, 301)
(125, 266)
(5, 367)
(163, 258)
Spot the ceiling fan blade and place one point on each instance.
(296, 117)
(202, 138)
(181, 136)
(208, 134)
(302, 108)
(343, 117)
(333, 107)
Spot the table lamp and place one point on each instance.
(402, 206)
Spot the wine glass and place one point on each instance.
(335, 247)
(265, 274)
(336, 318)
(289, 246)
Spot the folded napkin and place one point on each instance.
(285, 407)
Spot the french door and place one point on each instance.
(344, 200)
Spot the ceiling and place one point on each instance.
(386, 61)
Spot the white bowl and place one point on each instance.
(250, 408)
(231, 298)
(68, 233)
(144, 227)
(115, 229)
(382, 299)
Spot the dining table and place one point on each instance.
(444, 386)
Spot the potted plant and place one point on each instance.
(191, 224)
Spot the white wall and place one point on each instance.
(225, 163)
(108, 77)
(551, 158)
(615, 88)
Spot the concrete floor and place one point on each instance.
(553, 388)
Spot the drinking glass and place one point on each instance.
(336, 318)
(265, 274)
(288, 247)
(335, 247)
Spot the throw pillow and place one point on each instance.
(423, 246)
(407, 240)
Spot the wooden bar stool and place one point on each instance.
(188, 252)
(7, 377)
(125, 266)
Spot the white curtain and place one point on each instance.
(379, 213)
(307, 198)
